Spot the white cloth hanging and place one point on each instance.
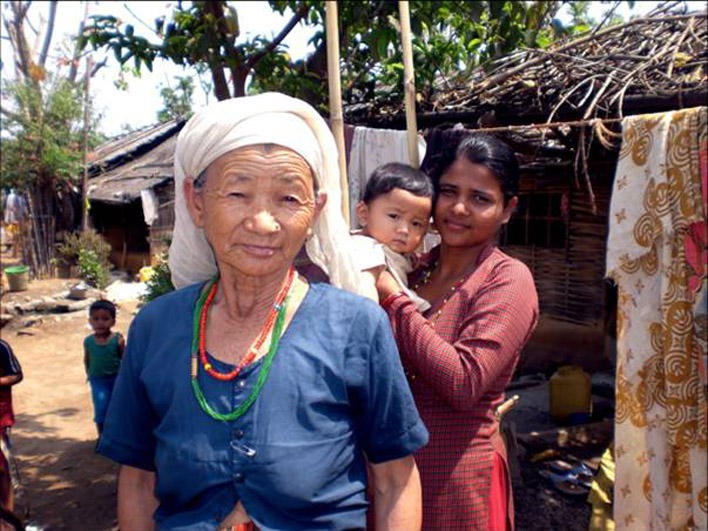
(150, 206)
(370, 149)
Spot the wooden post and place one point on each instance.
(84, 179)
(409, 83)
(336, 117)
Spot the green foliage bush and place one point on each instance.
(91, 269)
(160, 282)
(68, 250)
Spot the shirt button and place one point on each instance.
(238, 477)
(241, 383)
(238, 434)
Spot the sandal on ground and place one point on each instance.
(581, 481)
(569, 487)
(563, 467)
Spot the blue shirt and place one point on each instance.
(336, 391)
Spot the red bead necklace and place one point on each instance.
(255, 347)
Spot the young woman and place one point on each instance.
(461, 353)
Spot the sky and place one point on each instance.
(138, 106)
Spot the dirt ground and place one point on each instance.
(66, 486)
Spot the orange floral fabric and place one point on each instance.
(656, 254)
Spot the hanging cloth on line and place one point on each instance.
(656, 253)
(150, 206)
(370, 149)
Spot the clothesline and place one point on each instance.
(551, 125)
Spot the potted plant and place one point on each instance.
(68, 259)
(61, 267)
(66, 256)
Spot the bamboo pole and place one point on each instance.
(84, 177)
(409, 83)
(335, 100)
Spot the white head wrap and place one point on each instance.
(270, 118)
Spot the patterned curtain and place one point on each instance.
(656, 253)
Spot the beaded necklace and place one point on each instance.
(448, 295)
(255, 347)
(197, 341)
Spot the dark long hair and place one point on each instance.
(486, 150)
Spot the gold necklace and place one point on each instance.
(426, 278)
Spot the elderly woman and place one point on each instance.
(249, 394)
(461, 353)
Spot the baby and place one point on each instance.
(394, 215)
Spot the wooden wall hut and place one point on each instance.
(122, 169)
(647, 65)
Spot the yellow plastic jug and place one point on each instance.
(145, 273)
(570, 395)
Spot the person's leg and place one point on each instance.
(100, 393)
(7, 498)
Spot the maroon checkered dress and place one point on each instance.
(458, 368)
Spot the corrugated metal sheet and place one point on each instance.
(123, 183)
(122, 149)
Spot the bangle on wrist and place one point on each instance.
(386, 302)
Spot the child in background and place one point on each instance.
(103, 351)
(394, 215)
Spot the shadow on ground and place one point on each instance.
(64, 484)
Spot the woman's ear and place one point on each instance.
(509, 209)
(320, 202)
(195, 201)
(362, 213)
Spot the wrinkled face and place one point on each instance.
(470, 205)
(257, 207)
(398, 219)
(101, 321)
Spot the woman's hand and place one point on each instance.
(237, 516)
(386, 285)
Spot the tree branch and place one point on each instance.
(11, 115)
(73, 70)
(607, 17)
(17, 34)
(48, 36)
(217, 10)
(125, 5)
(297, 17)
(97, 67)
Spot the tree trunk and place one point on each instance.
(48, 35)
(239, 83)
(221, 88)
(74, 69)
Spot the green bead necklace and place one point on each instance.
(262, 374)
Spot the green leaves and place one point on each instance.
(450, 38)
(42, 132)
(177, 102)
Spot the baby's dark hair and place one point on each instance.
(396, 175)
(103, 304)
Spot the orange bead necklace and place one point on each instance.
(257, 344)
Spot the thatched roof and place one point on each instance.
(140, 160)
(123, 148)
(643, 65)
